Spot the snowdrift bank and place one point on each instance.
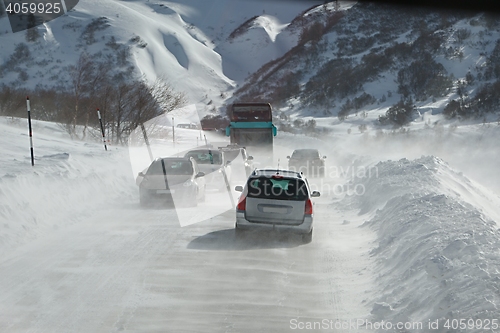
(69, 180)
(438, 244)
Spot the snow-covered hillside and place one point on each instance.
(365, 58)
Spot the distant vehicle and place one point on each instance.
(276, 200)
(214, 165)
(308, 161)
(233, 151)
(172, 179)
(188, 126)
(251, 126)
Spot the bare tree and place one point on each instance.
(98, 88)
(12, 101)
(167, 98)
(81, 75)
(124, 105)
(122, 110)
(153, 100)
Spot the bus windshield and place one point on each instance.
(251, 112)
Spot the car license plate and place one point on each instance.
(165, 191)
(275, 210)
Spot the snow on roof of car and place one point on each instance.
(276, 172)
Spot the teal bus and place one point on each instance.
(251, 125)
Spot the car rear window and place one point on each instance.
(305, 154)
(277, 188)
(172, 167)
(231, 154)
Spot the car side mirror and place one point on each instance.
(288, 157)
(315, 194)
(238, 188)
(250, 158)
(228, 163)
(141, 174)
(324, 156)
(199, 174)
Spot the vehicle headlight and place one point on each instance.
(188, 183)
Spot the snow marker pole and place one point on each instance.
(173, 132)
(145, 134)
(102, 130)
(165, 173)
(228, 186)
(28, 106)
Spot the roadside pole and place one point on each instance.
(102, 129)
(173, 132)
(228, 187)
(30, 130)
(165, 174)
(145, 134)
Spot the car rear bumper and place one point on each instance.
(304, 228)
(175, 193)
(215, 179)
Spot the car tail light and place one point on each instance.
(242, 203)
(309, 207)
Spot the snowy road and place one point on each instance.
(147, 274)
(78, 254)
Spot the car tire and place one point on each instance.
(192, 202)
(189, 203)
(189, 200)
(238, 232)
(307, 238)
(322, 172)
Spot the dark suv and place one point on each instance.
(276, 200)
(308, 161)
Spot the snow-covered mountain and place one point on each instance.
(191, 44)
(406, 228)
(296, 55)
(372, 55)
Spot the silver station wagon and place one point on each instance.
(276, 200)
